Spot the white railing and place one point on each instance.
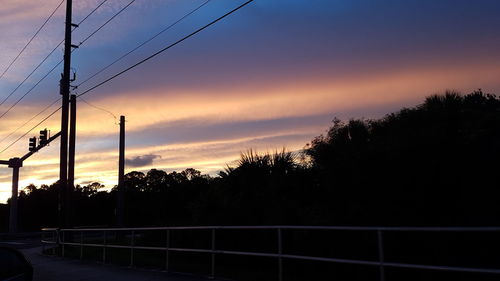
(56, 239)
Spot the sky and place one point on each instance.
(272, 75)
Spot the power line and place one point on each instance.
(27, 77)
(51, 104)
(143, 43)
(48, 73)
(109, 20)
(29, 131)
(164, 49)
(51, 52)
(31, 89)
(31, 119)
(100, 108)
(33, 37)
(133, 66)
(92, 12)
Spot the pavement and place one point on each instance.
(21, 241)
(48, 268)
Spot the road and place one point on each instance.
(48, 268)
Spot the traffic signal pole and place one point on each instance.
(16, 163)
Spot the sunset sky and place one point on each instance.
(272, 75)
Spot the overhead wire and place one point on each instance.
(105, 23)
(164, 49)
(61, 61)
(29, 75)
(33, 37)
(36, 84)
(134, 65)
(29, 131)
(131, 51)
(51, 52)
(31, 119)
(92, 12)
(100, 108)
(29, 91)
(143, 43)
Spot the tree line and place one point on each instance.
(433, 164)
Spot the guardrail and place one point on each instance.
(57, 239)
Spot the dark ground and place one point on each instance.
(49, 268)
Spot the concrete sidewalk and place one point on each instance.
(55, 268)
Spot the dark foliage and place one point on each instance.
(435, 164)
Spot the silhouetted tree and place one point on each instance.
(433, 164)
(421, 165)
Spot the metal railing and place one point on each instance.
(57, 240)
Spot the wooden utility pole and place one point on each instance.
(65, 85)
(71, 162)
(120, 198)
(72, 140)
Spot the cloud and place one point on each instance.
(86, 182)
(140, 161)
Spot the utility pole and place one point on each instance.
(71, 162)
(64, 197)
(120, 200)
(72, 140)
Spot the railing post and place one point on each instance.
(280, 260)
(132, 249)
(167, 252)
(212, 272)
(55, 241)
(62, 242)
(81, 245)
(380, 239)
(104, 248)
(43, 243)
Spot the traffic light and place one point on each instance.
(32, 146)
(43, 137)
